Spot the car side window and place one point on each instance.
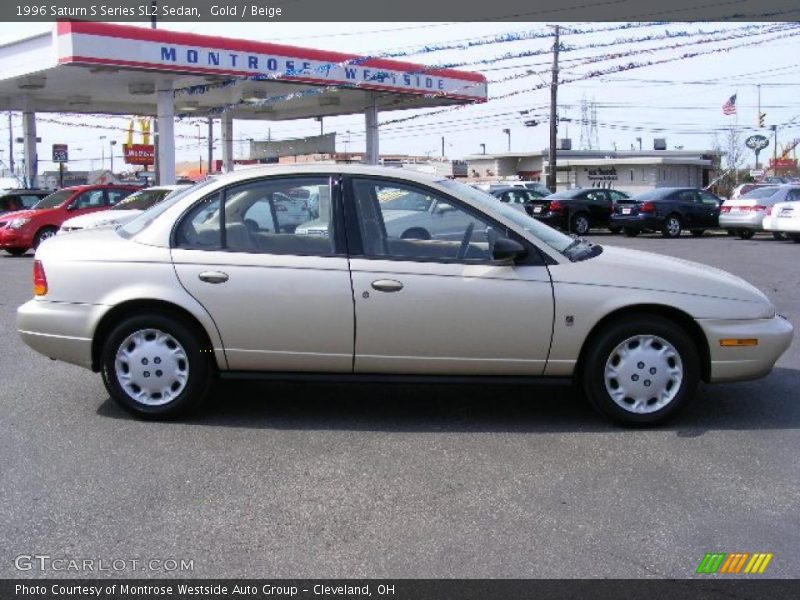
(793, 195)
(115, 196)
(90, 199)
(709, 199)
(268, 216)
(444, 231)
(685, 196)
(29, 201)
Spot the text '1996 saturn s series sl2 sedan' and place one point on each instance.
(398, 275)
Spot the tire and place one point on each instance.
(187, 374)
(795, 237)
(16, 251)
(631, 232)
(579, 224)
(698, 232)
(43, 234)
(615, 230)
(778, 235)
(416, 234)
(672, 227)
(730, 232)
(745, 234)
(666, 353)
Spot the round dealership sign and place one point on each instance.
(756, 142)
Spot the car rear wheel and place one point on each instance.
(579, 224)
(640, 371)
(698, 232)
(795, 237)
(631, 232)
(43, 234)
(672, 227)
(156, 367)
(16, 251)
(745, 234)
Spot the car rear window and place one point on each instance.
(762, 192)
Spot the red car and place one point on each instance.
(26, 229)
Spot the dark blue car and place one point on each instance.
(668, 210)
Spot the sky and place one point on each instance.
(680, 100)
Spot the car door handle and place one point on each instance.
(213, 276)
(387, 285)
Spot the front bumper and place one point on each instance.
(60, 330)
(751, 220)
(14, 238)
(736, 363)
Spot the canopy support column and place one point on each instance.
(166, 134)
(29, 144)
(227, 142)
(371, 117)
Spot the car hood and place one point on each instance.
(634, 269)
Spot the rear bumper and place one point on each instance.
(732, 221)
(59, 330)
(558, 220)
(641, 221)
(745, 362)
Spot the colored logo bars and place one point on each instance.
(734, 563)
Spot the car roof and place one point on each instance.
(317, 168)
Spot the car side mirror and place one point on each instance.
(442, 208)
(506, 249)
(72, 207)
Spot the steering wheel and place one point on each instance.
(462, 251)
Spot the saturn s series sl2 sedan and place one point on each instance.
(212, 282)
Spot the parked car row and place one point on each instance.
(670, 211)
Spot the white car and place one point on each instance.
(119, 214)
(745, 215)
(784, 217)
(198, 287)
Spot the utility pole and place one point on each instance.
(442, 146)
(551, 176)
(507, 131)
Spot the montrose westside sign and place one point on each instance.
(133, 47)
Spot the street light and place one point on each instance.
(508, 133)
(111, 144)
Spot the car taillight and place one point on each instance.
(39, 279)
(769, 210)
(556, 206)
(759, 208)
(647, 207)
(725, 209)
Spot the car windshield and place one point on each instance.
(762, 192)
(142, 200)
(53, 200)
(574, 249)
(144, 220)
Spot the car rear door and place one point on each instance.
(442, 306)
(282, 301)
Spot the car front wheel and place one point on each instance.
(640, 371)
(745, 234)
(156, 367)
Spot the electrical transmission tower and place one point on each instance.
(594, 137)
(590, 139)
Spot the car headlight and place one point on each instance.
(17, 223)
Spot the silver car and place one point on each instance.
(745, 216)
(213, 283)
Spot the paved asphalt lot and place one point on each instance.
(312, 480)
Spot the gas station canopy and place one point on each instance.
(86, 67)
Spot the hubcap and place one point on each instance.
(152, 367)
(673, 226)
(643, 374)
(581, 225)
(46, 235)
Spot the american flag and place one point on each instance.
(729, 108)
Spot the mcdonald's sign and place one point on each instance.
(139, 154)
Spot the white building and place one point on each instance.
(629, 171)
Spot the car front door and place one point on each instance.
(442, 306)
(282, 301)
(710, 208)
